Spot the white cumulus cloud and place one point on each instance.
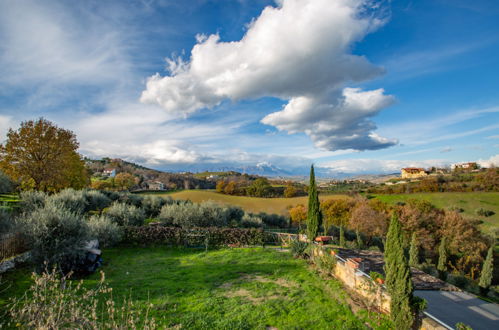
(299, 51)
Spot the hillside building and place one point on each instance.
(413, 173)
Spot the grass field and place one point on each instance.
(469, 202)
(250, 204)
(251, 288)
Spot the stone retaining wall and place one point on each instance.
(351, 275)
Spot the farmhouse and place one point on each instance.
(413, 172)
(110, 172)
(155, 185)
(466, 166)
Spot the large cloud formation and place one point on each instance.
(299, 51)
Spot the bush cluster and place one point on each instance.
(58, 237)
(105, 230)
(60, 225)
(125, 214)
(176, 236)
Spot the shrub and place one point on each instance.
(376, 275)
(131, 199)
(188, 215)
(458, 280)
(251, 221)
(58, 237)
(325, 263)
(274, 220)
(31, 200)
(125, 215)
(456, 209)
(112, 195)
(53, 302)
(484, 213)
(235, 214)
(175, 236)
(152, 205)
(6, 184)
(96, 200)
(107, 232)
(298, 248)
(73, 200)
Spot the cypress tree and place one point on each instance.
(414, 251)
(342, 237)
(442, 257)
(360, 244)
(314, 215)
(398, 277)
(487, 270)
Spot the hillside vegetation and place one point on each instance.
(249, 204)
(468, 202)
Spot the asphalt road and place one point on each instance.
(454, 307)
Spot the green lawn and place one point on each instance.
(467, 201)
(250, 204)
(250, 288)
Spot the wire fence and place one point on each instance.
(12, 244)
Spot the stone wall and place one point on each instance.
(350, 273)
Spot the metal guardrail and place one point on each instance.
(442, 323)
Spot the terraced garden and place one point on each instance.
(250, 288)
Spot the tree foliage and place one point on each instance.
(290, 191)
(442, 255)
(298, 215)
(124, 181)
(487, 269)
(368, 221)
(414, 251)
(398, 278)
(58, 237)
(336, 212)
(342, 237)
(42, 156)
(314, 215)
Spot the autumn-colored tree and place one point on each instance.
(42, 156)
(368, 221)
(124, 181)
(298, 215)
(230, 188)
(102, 184)
(422, 218)
(290, 191)
(465, 240)
(259, 188)
(220, 186)
(336, 212)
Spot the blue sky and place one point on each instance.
(354, 86)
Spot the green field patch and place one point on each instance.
(251, 288)
(249, 204)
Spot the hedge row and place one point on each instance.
(212, 236)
